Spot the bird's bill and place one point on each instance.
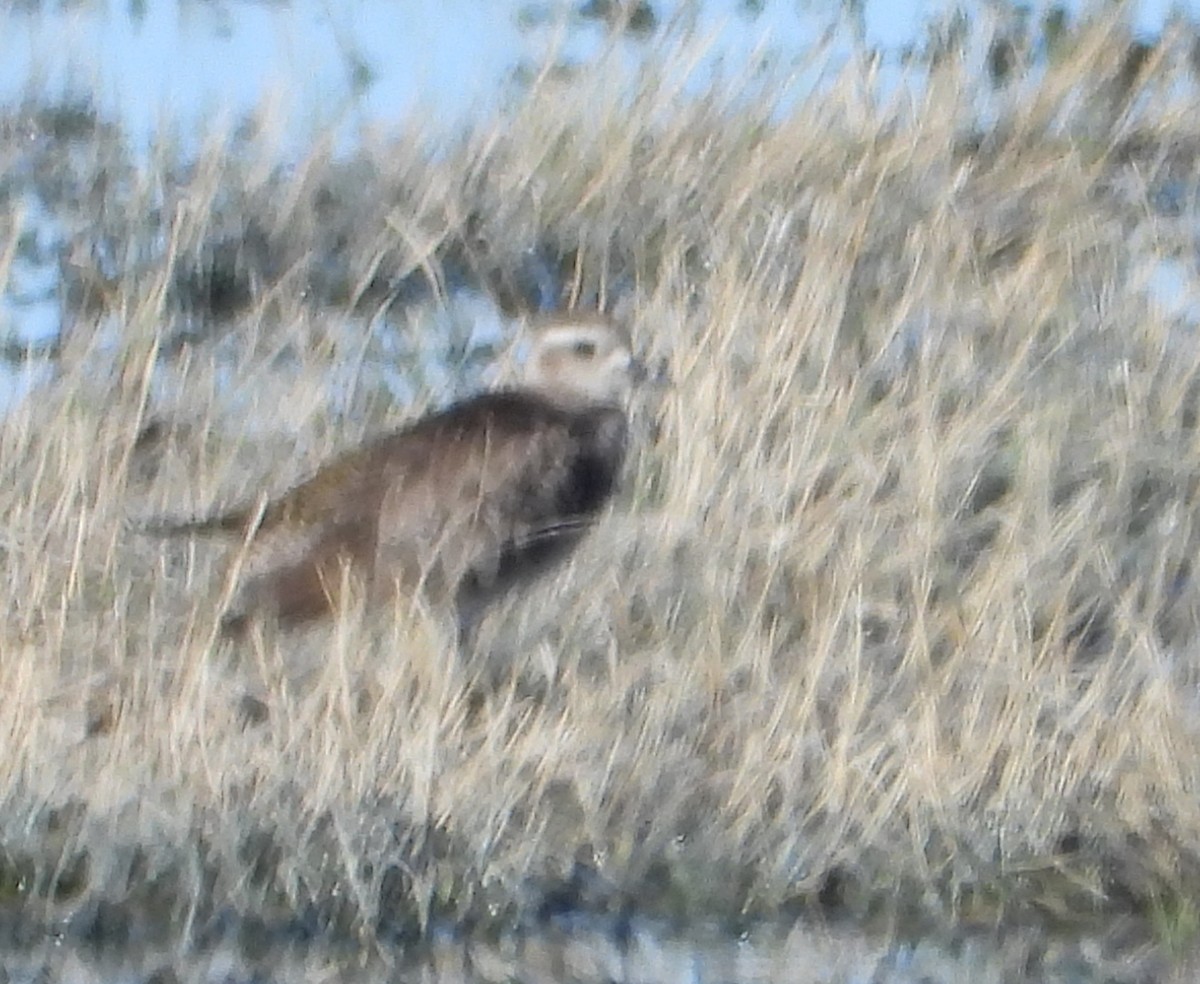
(642, 373)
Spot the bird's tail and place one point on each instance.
(236, 521)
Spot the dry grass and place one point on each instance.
(899, 604)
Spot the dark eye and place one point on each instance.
(585, 350)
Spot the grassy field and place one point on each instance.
(895, 620)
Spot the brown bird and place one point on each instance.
(466, 503)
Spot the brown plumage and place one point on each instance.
(466, 503)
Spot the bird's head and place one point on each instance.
(581, 360)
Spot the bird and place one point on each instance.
(466, 503)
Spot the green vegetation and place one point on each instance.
(897, 621)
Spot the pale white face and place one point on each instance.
(581, 361)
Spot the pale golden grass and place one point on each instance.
(899, 589)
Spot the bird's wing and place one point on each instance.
(487, 481)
